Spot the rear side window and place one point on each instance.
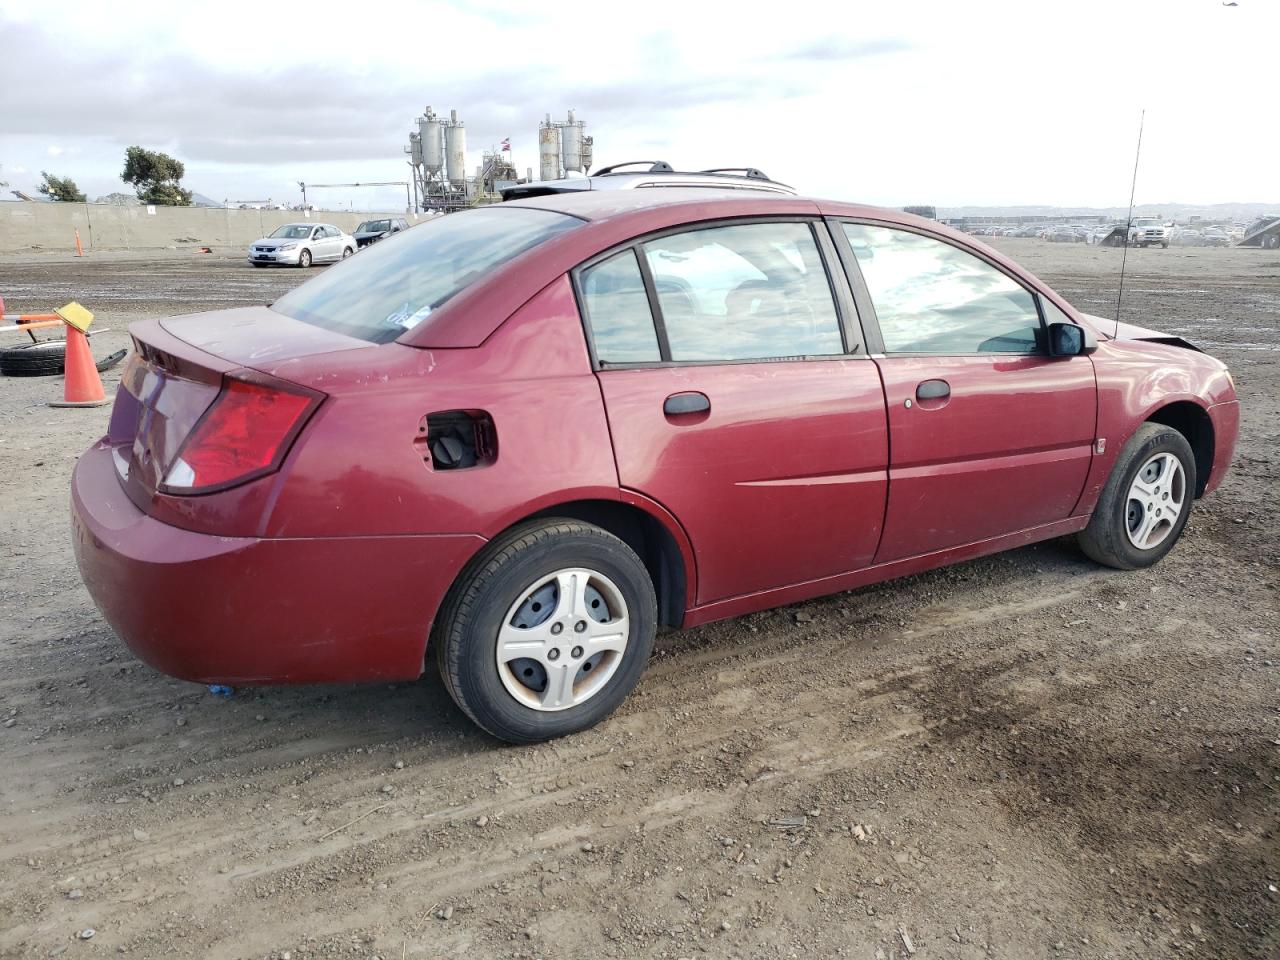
(931, 297)
(747, 292)
(394, 286)
(617, 308)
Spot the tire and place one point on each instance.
(1272, 242)
(346, 252)
(486, 608)
(1108, 538)
(1165, 245)
(44, 359)
(304, 259)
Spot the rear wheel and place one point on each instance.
(346, 252)
(547, 631)
(304, 259)
(1272, 242)
(1145, 504)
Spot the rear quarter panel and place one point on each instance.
(357, 471)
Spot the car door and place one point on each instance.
(332, 241)
(739, 398)
(315, 243)
(988, 434)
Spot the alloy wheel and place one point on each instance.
(1156, 499)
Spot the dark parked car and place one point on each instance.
(371, 231)
(521, 437)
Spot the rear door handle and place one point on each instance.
(933, 390)
(691, 402)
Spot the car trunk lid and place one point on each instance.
(178, 371)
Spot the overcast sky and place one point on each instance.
(949, 103)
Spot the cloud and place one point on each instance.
(337, 110)
(830, 49)
(882, 106)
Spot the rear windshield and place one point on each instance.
(393, 286)
(374, 226)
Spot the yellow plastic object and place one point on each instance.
(76, 315)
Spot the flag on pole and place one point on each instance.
(506, 145)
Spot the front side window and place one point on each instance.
(617, 308)
(394, 286)
(931, 297)
(744, 292)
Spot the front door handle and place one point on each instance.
(933, 390)
(691, 402)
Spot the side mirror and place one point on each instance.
(1070, 340)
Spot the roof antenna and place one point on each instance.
(1128, 227)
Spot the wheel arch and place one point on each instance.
(1193, 422)
(664, 551)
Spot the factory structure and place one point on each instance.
(437, 153)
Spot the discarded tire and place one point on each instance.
(43, 359)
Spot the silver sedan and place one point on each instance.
(302, 244)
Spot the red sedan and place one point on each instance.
(523, 436)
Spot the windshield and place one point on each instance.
(394, 285)
(1145, 222)
(374, 226)
(293, 231)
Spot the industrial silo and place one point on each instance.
(415, 149)
(571, 144)
(432, 149)
(455, 150)
(548, 150)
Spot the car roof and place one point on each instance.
(602, 204)
(614, 217)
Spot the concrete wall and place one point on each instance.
(29, 227)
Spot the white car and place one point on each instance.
(302, 244)
(1148, 231)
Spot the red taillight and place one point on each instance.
(243, 435)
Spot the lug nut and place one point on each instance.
(580, 626)
(557, 628)
(553, 654)
(577, 652)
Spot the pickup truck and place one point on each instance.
(1146, 231)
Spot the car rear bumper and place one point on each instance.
(244, 610)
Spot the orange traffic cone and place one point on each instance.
(83, 385)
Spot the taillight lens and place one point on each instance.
(244, 435)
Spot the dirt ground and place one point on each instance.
(1024, 756)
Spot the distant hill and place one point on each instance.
(1179, 211)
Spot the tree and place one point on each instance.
(62, 189)
(155, 176)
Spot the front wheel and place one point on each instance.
(1146, 501)
(547, 631)
(304, 259)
